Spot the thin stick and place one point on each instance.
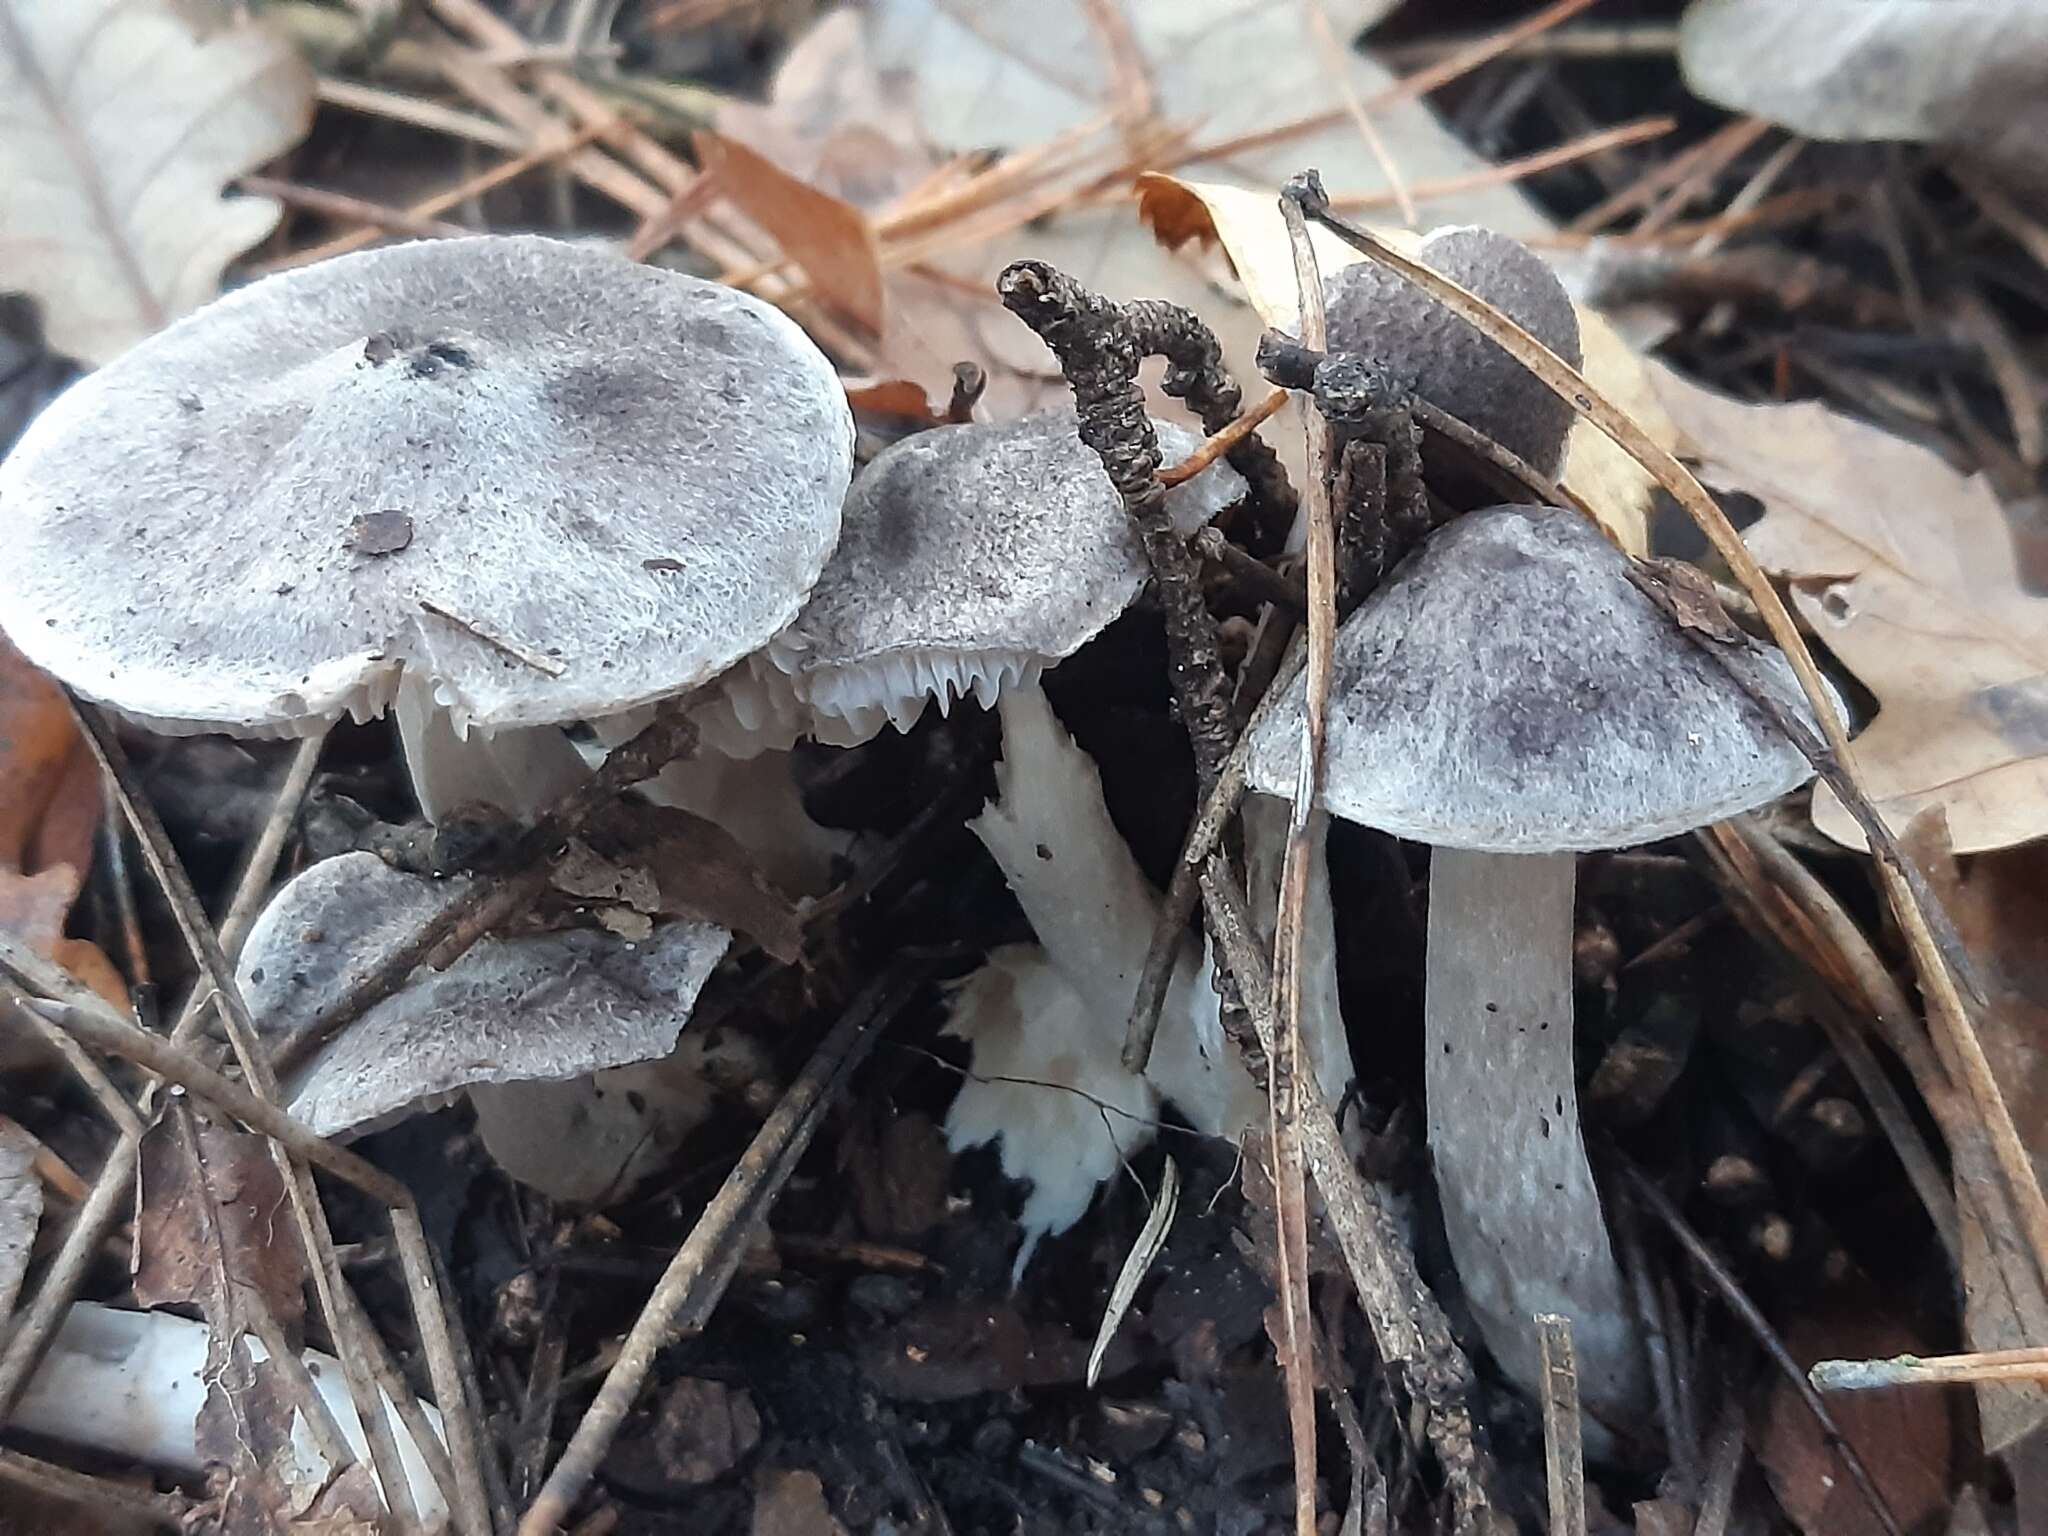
(342, 208)
(1184, 890)
(696, 1278)
(1421, 83)
(1564, 1461)
(1619, 136)
(1290, 1201)
(1407, 1325)
(2029, 1364)
(1217, 444)
(1336, 56)
(440, 202)
(102, 1208)
(168, 1511)
(372, 101)
(1902, 893)
(1738, 1302)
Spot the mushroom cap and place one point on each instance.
(631, 475)
(1509, 690)
(1440, 357)
(972, 557)
(543, 1007)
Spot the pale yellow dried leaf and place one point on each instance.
(1247, 226)
(121, 121)
(1905, 568)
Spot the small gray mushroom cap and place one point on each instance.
(1440, 357)
(631, 474)
(970, 558)
(1508, 690)
(538, 1008)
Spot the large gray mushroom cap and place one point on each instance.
(972, 557)
(1442, 358)
(1509, 690)
(630, 476)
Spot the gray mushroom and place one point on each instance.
(1442, 358)
(970, 559)
(510, 1014)
(1511, 699)
(504, 483)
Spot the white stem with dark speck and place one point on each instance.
(1520, 1207)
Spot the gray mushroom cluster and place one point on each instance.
(506, 486)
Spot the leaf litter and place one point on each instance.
(897, 159)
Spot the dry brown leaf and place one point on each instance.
(1999, 905)
(222, 1224)
(1905, 568)
(827, 237)
(124, 120)
(1903, 1437)
(49, 789)
(1247, 226)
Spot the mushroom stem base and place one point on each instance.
(1520, 1208)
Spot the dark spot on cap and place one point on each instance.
(661, 563)
(380, 533)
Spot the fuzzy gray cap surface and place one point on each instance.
(520, 1009)
(1509, 690)
(1431, 351)
(975, 546)
(631, 474)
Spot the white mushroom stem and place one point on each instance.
(1093, 911)
(1048, 827)
(521, 771)
(132, 1383)
(1520, 1208)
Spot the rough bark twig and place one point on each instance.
(1097, 345)
(1407, 1325)
(1184, 890)
(696, 1278)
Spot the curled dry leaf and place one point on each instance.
(49, 811)
(1906, 568)
(124, 120)
(1999, 904)
(826, 236)
(1927, 71)
(1247, 226)
(1903, 1437)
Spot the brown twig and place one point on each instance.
(1408, 1326)
(167, 1511)
(1184, 890)
(1564, 1460)
(1290, 1201)
(696, 1278)
(1222, 441)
